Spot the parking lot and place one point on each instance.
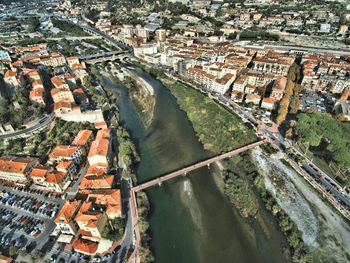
(26, 216)
(29, 203)
(313, 100)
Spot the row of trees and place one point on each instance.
(68, 27)
(258, 34)
(126, 148)
(292, 88)
(145, 253)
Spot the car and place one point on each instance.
(107, 256)
(53, 258)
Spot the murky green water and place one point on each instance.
(191, 220)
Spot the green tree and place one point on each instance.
(13, 251)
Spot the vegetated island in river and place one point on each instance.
(220, 131)
(141, 92)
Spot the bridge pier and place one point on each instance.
(159, 182)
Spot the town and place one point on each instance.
(67, 161)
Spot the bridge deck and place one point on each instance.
(195, 166)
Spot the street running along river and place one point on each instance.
(191, 219)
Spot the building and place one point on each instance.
(325, 28)
(80, 97)
(83, 138)
(34, 75)
(11, 80)
(67, 167)
(100, 148)
(145, 49)
(54, 60)
(91, 219)
(65, 219)
(37, 96)
(92, 182)
(62, 93)
(72, 61)
(268, 103)
(4, 56)
(56, 181)
(16, 169)
(342, 108)
(98, 169)
(278, 88)
(161, 35)
(253, 98)
(66, 152)
(39, 173)
(5, 259)
(65, 108)
(109, 201)
(84, 246)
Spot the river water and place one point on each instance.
(191, 220)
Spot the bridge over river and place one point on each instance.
(180, 172)
(184, 171)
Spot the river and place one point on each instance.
(191, 220)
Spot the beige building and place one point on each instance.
(65, 219)
(91, 221)
(16, 169)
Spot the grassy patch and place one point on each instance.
(217, 128)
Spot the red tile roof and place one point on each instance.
(97, 182)
(66, 214)
(39, 171)
(9, 74)
(55, 177)
(98, 169)
(82, 138)
(99, 148)
(65, 151)
(58, 82)
(85, 246)
(14, 165)
(268, 100)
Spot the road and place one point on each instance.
(326, 183)
(36, 126)
(308, 49)
(128, 239)
(73, 188)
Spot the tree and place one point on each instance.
(13, 250)
(289, 133)
(33, 24)
(23, 253)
